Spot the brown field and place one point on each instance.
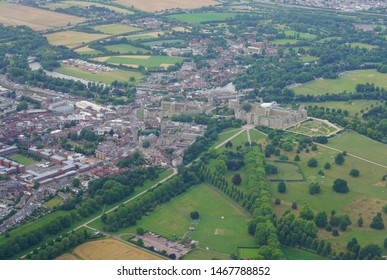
(37, 19)
(111, 249)
(153, 6)
(67, 257)
(72, 39)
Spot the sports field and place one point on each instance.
(109, 249)
(203, 17)
(72, 39)
(37, 19)
(148, 61)
(101, 77)
(347, 81)
(126, 49)
(115, 29)
(222, 226)
(23, 160)
(152, 6)
(353, 107)
(361, 146)
(67, 4)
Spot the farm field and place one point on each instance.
(88, 51)
(115, 29)
(353, 107)
(102, 77)
(37, 19)
(72, 39)
(67, 4)
(203, 17)
(144, 36)
(361, 146)
(23, 160)
(153, 6)
(313, 128)
(347, 81)
(301, 35)
(212, 232)
(109, 249)
(160, 42)
(126, 48)
(150, 61)
(286, 171)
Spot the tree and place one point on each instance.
(146, 144)
(314, 188)
(271, 169)
(335, 232)
(385, 243)
(281, 187)
(220, 166)
(354, 173)
(297, 158)
(76, 183)
(321, 219)
(294, 205)
(140, 242)
(327, 166)
(140, 231)
(360, 221)
(312, 163)
(277, 201)
(23, 105)
(339, 159)
(194, 215)
(384, 208)
(377, 222)
(340, 186)
(287, 146)
(247, 107)
(306, 213)
(236, 179)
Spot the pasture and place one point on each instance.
(26, 161)
(161, 42)
(346, 82)
(111, 249)
(37, 19)
(144, 36)
(313, 128)
(153, 6)
(115, 29)
(299, 35)
(72, 39)
(151, 61)
(203, 17)
(88, 51)
(214, 233)
(362, 46)
(126, 49)
(353, 106)
(101, 77)
(361, 146)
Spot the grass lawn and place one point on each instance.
(23, 160)
(362, 45)
(102, 77)
(146, 61)
(225, 135)
(72, 39)
(203, 17)
(347, 81)
(212, 232)
(286, 171)
(361, 146)
(126, 49)
(56, 201)
(353, 107)
(241, 139)
(203, 254)
(300, 254)
(256, 135)
(115, 29)
(248, 253)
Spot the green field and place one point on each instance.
(256, 135)
(300, 254)
(126, 49)
(284, 42)
(362, 46)
(309, 58)
(88, 51)
(56, 201)
(160, 42)
(225, 135)
(313, 128)
(140, 37)
(153, 61)
(241, 139)
(115, 29)
(353, 107)
(218, 235)
(301, 35)
(248, 252)
(347, 81)
(26, 161)
(102, 77)
(203, 17)
(286, 171)
(67, 4)
(361, 146)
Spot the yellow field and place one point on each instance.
(153, 6)
(67, 4)
(67, 257)
(72, 39)
(37, 19)
(108, 249)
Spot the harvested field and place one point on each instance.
(152, 6)
(37, 19)
(72, 39)
(67, 257)
(111, 249)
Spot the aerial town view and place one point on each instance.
(193, 130)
